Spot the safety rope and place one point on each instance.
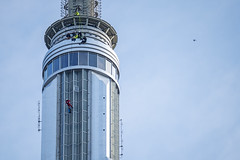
(77, 34)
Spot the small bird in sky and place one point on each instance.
(194, 40)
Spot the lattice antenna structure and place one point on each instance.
(121, 138)
(64, 8)
(39, 117)
(84, 7)
(97, 8)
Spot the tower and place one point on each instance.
(80, 93)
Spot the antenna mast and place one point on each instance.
(84, 7)
(121, 138)
(39, 117)
(64, 8)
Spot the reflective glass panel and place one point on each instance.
(101, 62)
(49, 69)
(73, 59)
(83, 58)
(85, 156)
(64, 60)
(108, 66)
(113, 71)
(92, 59)
(45, 74)
(55, 64)
(84, 147)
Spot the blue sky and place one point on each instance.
(180, 100)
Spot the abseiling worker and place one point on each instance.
(69, 106)
(74, 37)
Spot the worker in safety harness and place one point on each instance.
(77, 9)
(70, 107)
(75, 35)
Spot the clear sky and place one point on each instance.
(180, 99)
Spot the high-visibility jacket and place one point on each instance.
(76, 36)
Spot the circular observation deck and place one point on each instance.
(63, 25)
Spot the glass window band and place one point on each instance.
(80, 58)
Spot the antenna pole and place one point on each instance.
(121, 138)
(85, 7)
(39, 117)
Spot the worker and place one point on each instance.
(77, 13)
(69, 105)
(80, 35)
(68, 36)
(84, 40)
(74, 37)
(77, 9)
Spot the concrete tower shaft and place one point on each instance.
(80, 68)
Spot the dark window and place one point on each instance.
(117, 75)
(49, 69)
(64, 61)
(83, 58)
(92, 59)
(55, 64)
(73, 59)
(101, 63)
(45, 74)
